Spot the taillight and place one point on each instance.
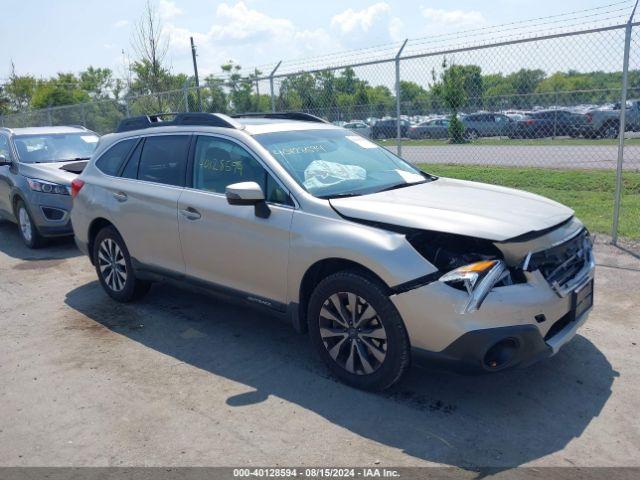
(589, 118)
(76, 185)
(530, 122)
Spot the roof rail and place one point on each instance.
(301, 116)
(188, 118)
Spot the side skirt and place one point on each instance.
(156, 274)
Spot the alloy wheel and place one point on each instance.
(352, 333)
(25, 224)
(112, 264)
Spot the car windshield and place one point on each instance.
(55, 147)
(337, 163)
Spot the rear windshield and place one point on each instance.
(55, 147)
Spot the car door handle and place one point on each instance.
(120, 196)
(191, 213)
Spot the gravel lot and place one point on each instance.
(186, 379)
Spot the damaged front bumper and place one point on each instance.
(515, 325)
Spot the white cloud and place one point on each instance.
(121, 23)
(370, 26)
(239, 31)
(453, 17)
(352, 20)
(238, 23)
(168, 9)
(396, 29)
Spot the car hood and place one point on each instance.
(460, 207)
(56, 172)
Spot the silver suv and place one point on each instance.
(378, 261)
(37, 166)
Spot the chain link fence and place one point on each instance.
(542, 112)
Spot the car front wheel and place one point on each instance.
(357, 331)
(28, 231)
(113, 266)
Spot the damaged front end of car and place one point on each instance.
(499, 303)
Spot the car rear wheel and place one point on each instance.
(113, 266)
(357, 331)
(471, 135)
(28, 231)
(610, 130)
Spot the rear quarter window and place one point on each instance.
(111, 160)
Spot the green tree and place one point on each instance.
(450, 87)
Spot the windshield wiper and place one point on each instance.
(340, 195)
(399, 185)
(77, 159)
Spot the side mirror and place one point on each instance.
(248, 193)
(244, 193)
(4, 161)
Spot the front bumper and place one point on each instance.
(524, 322)
(51, 214)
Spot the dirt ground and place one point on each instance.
(185, 379)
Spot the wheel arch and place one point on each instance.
(318, 272)
(17, 196)
(95, 227)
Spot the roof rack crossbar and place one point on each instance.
(188, 118)
(301, 116)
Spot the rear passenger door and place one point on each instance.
(230, 246)
(144, 201)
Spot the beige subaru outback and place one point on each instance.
(378, 261)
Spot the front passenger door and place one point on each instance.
(230, 246)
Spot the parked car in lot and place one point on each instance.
(486, 124)
(548, 123)
(605, 122)
(387, 128)
(37, 166)
(377, 260)
(436, 128)
(359, 127)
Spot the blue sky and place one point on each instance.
(43, 38)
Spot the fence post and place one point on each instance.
(622, 128)
(84, 115)
(185, 92)
(273, 98)
(49, 119)
(398, 129)
(126, 106)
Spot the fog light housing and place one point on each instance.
(501, 354)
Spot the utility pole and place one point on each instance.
(195, 71)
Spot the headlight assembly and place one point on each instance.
(478, 278)
(47, 187)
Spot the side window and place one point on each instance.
(4, 147)
(131, 169)
(219, 162)
(164, 159)
(111, 160)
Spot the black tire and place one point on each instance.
(471, 135)
(28, 231)
(610, 130)
(395, 346)
(122, 288)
